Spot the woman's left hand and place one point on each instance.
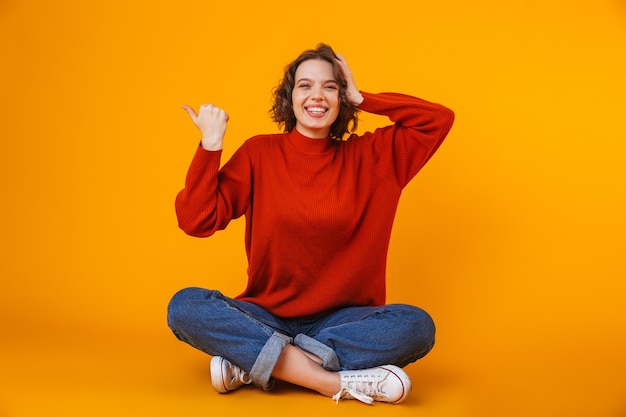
(354, 95)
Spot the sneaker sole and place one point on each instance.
(217, 374)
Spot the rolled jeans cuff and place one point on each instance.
(329, 358)
(261, 372)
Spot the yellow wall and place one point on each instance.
(513, 236)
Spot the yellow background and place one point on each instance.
(512, 237)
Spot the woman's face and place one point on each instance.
(315, 98)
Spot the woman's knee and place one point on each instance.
(184, 305)
(420, 327)
(424, 322)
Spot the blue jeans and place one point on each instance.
(253, 338)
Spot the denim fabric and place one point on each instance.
(252, 338)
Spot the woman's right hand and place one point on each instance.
(211, 121)
(352, 91)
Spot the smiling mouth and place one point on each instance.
(316, 110)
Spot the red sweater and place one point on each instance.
(319, 212)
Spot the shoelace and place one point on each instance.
(354, 394)
(363, 388)
(242, 376)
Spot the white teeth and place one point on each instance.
(318, 110)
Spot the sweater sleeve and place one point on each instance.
(212, 197)
(419, 128)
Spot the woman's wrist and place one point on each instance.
(211, 144)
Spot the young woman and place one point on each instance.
(319, 210)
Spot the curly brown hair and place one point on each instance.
(282, 108)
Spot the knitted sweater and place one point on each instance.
(319, 212)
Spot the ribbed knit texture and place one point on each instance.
(319, 212)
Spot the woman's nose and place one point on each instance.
(317, 93)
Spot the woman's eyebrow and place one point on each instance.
(310, 80)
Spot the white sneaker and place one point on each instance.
(227, 377)
(387, 383)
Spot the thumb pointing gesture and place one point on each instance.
(211, 121)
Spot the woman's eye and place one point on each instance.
(303, 85)
(331, 87)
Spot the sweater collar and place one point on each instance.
(308, 145)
